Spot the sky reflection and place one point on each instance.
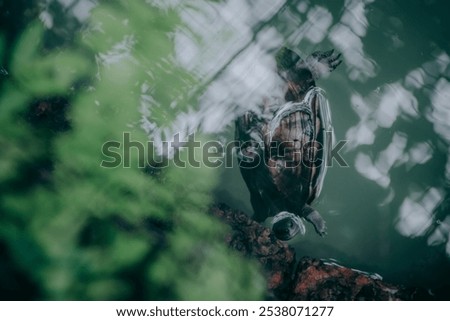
(416, 212)
(423, 94)
(347, 37)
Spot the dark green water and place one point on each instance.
(388, 212)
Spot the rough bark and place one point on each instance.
(306, 278)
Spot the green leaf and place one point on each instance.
(51, 74)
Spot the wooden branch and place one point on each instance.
(307, 278)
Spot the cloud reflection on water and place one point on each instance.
(416, 212)
(382, 110)
(347, 37)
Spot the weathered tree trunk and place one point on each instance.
(307, 278)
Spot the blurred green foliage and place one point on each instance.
(72, 230)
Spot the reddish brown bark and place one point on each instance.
(306, 278)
